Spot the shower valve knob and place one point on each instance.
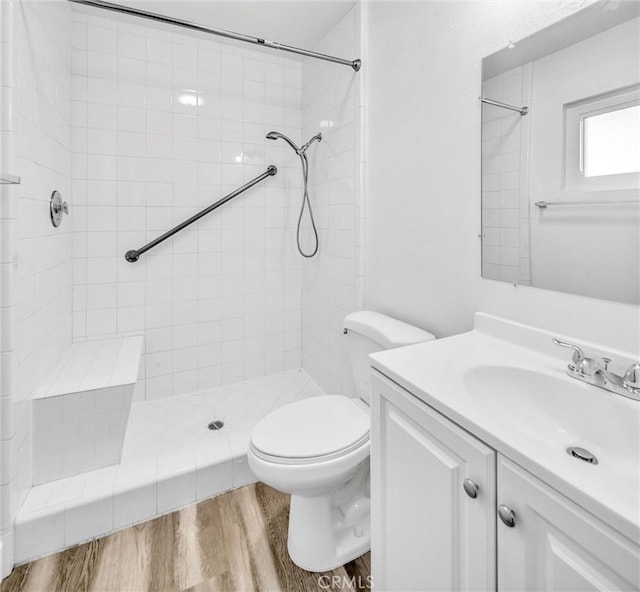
(57, 207)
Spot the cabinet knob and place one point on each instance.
(507, 515)
(470, 488)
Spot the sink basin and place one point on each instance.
(560, 411)
(505, 383)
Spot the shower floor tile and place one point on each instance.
(170, 459)
(162, 427)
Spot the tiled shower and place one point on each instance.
(505, 215)
(139, 126)
(164, 125)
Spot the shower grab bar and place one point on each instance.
(545, 204)
(355, 64)
(134, 254)
(521, 110)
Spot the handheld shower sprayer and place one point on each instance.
(301, 152)
(279, 136)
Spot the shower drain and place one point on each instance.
(217, 424)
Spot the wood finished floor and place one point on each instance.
(236, 542)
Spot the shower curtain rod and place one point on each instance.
(521, 110)
(355, 64)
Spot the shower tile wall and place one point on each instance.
(332, 101)
(35, 281)
(42, 151)
(164, 124)
(505, 190)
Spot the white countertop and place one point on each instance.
(437, 373)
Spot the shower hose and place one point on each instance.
(307, 203)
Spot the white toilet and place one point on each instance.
(317, 450)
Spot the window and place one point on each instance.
(611, 142)
(602, 142)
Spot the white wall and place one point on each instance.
(423, 199)
(332, 104)
(8, 299)
(36, 257)
(220, 302)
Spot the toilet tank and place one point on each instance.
(368, 332)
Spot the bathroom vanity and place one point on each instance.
(491, 469)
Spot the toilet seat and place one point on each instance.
(312, 430)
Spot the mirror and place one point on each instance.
(561, 156)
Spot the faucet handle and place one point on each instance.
(631, 379)
(578, 354)
(586, 366)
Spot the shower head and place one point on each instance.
(298, 151)
(279, 136)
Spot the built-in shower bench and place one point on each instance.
(80, 410)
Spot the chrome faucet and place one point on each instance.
(598, 374)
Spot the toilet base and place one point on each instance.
(327, 531)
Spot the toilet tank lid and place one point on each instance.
(386, 331)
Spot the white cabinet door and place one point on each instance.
(556, 545)
(427, 533)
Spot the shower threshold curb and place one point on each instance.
(106, 505)
(171, 460)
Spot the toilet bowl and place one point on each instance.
(317, 449)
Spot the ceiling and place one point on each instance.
(298, 23)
